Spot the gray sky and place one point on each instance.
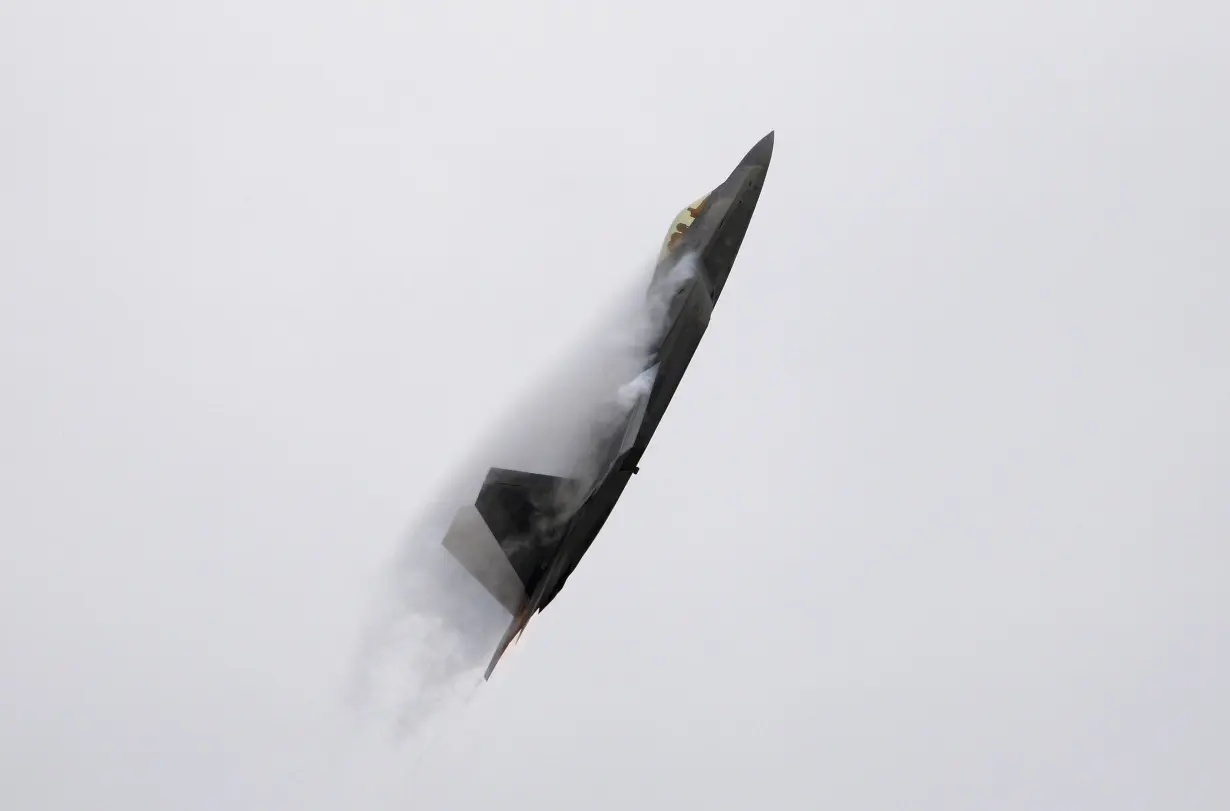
(937, 520)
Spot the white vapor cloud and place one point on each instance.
(433, 627)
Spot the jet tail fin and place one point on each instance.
(521, 618)
(514, 630)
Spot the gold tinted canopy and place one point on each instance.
(679, 227)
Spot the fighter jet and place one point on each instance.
(526, 532)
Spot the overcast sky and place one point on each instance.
(938, 519)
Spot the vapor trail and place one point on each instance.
(435, 627)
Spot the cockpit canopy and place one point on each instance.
(680, 226)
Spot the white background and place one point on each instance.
(938, 519)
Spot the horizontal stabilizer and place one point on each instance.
(522, 617)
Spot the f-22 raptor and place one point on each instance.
(526, 532)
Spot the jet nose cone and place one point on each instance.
(760, 154)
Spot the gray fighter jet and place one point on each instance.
(526, 532)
